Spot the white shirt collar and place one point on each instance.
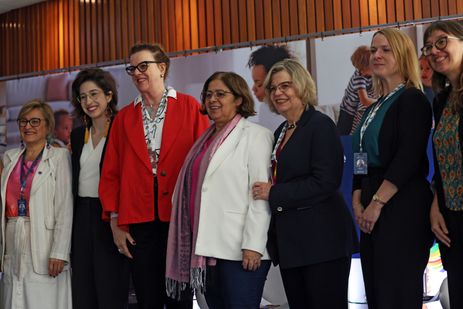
(171, 92)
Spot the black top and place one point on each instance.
(310, 219)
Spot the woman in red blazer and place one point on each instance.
(148, 142)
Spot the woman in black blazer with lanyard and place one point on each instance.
(391, 196)
(100, 274)
(311, 232)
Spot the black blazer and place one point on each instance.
(403, 139)
(310, 220)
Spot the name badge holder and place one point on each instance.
(22, 203)
(361, 158)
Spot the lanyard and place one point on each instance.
(22, 177)
(371, 115)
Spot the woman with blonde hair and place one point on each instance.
(36, 216)
(311, 234)
(391, 196)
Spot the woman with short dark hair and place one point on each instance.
(215, 225)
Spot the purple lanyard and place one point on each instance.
(22, 177)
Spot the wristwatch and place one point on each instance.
(378, 200)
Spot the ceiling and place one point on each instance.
(8, 5)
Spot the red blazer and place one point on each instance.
(127, 182)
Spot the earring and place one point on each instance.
(109, 112)
(162, 75)
(21, 144)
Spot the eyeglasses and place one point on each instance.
(93, 95)
(34, 122)
(440, 44)
(219, 94)
(283, 87)
(141, 67)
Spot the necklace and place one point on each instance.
(291, 126)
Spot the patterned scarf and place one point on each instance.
(183, 267)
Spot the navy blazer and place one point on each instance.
(310, 219)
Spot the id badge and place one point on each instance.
(22, 209)
(360, 163)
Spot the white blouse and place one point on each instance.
(89, 176)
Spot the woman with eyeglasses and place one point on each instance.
(148, 143)
(100, 274)
(36, 216)
(391, 195)
(311, 234)
(443, 47)
(215, 224)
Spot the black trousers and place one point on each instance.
(317, 286)
(148, 265)
(394, 256)
(100, 274)
(452, 257)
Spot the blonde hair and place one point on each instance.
(46, 111)
(302, 82)
(404, 53)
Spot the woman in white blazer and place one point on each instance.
(215, 222)
(36, 217)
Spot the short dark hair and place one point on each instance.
(268, 56)
(158, 53)
(104, 80)
(239, 89)
(58, 116)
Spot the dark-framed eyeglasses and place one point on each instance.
(141, 67)
(34, 122)
(83, 97)
(440, 44)
(283, 87)
(219, 94)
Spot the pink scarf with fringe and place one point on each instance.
(184, 268)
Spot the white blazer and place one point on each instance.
(50, 206)
(230, 219)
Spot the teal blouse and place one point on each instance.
(371, 135)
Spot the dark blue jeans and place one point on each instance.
(229, 286)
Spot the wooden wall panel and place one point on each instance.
(64, 33)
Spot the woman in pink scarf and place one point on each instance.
(216, 226)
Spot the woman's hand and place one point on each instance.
(358, 213)
(55, 267)
(370, 216)
(261, 190)
(120, 238)
(251, 260)
(438, 226)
